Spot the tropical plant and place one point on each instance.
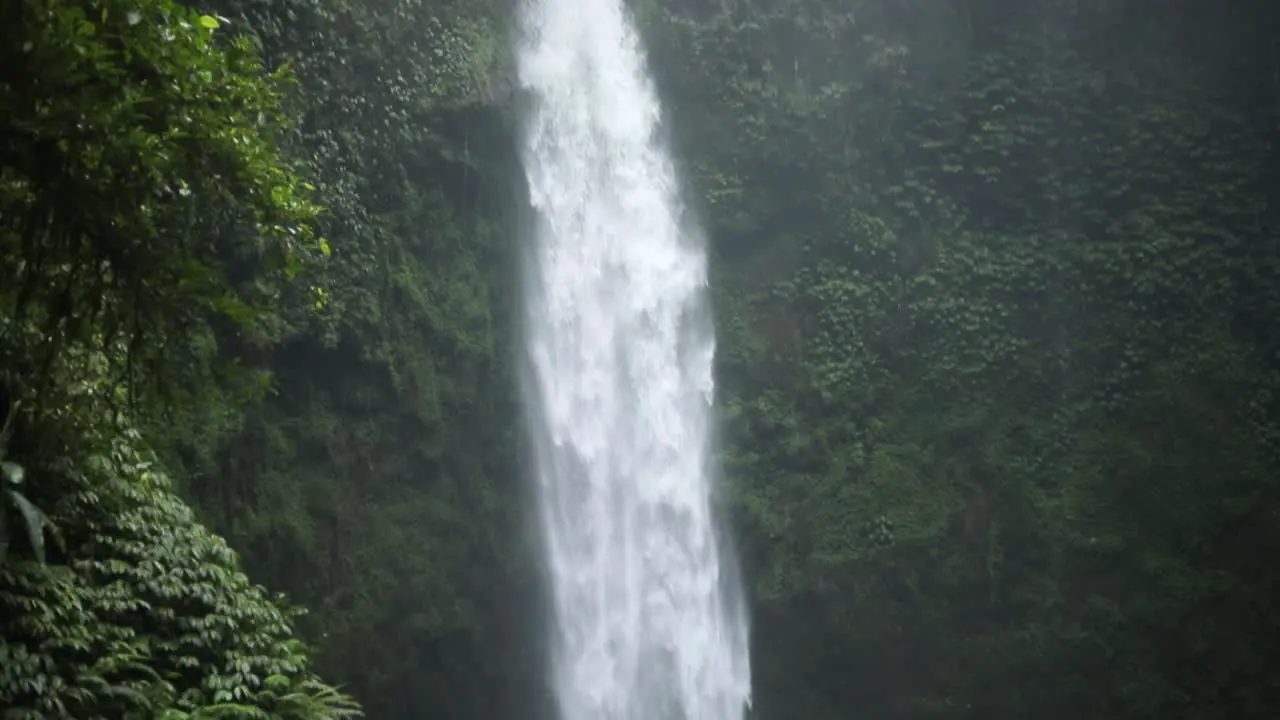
(15, 508)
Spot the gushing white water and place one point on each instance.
(648, 624)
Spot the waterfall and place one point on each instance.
(648, 623)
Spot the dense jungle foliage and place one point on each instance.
(996, 285)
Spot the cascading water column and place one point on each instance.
(648, 626)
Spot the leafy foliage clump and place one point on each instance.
(142, 190)
(144, 613)
(15, 508)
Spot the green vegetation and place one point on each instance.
(143, 613)
(998, 284)
(144, 207)
(995, 280)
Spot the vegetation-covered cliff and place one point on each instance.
(996, 285)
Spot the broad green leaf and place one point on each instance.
(4, 533)
(34, 520)
(6, 432)
(12, 471)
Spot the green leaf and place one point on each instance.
(209, 22)
(4, 533)
(12, 471)
(6, 432)
(34, 520)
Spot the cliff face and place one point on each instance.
(981, 266)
